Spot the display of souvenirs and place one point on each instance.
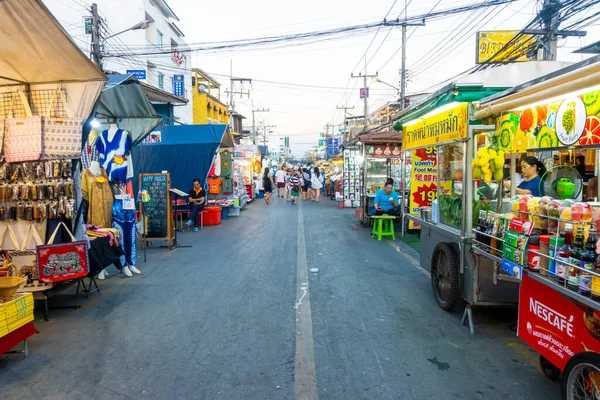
(352, 177)
(33, 191)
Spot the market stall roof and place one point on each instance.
(227, 141)
(124, 100)
(35, 49)
(157, 95)
(478, 85)
(573, 78)
(382, 137)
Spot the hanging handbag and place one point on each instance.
(62, 262)
(23, 258)
(2, 129)
(23, 136)
(61, 137)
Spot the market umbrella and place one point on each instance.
(124, 100)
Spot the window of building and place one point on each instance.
(161, 80)
(159, 38)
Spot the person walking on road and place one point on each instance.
(306, 185)
(267, 185)
(280, 178)
(316, 184)
(288, 187)
(295, 186)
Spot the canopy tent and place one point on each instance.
(185, 151)
(227, 142)
(576, 77)
(383, 137)
(36, 54)
(123, 99)
(475, 86)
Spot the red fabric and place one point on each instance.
(15, 337)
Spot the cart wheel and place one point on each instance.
(581, 377)
(444, 276)
(551, 372)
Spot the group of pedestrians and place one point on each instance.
(291, 182)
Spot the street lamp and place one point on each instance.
(376, 79)
(140, 25)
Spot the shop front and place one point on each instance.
(381, 161)
(443, 137)
(44, 103)
(247, 172)
(555, 119)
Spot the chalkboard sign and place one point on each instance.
(157, 211)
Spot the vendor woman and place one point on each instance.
(532, 170)
(386, 200)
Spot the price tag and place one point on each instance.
(128, 204)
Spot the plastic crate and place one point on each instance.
(234, 212)
(212, 216)
(16, 313)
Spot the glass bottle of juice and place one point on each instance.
(563, 255)
(575, 260)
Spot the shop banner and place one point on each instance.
(574, 120)
(383, 150)
(555, 325)
(445, 126)
(492, 46)
(423, 181)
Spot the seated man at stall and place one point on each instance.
(197, 202)
(387, 200)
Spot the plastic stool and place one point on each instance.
(383, 226)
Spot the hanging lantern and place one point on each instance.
(257, 167)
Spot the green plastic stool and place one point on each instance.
(383, 226)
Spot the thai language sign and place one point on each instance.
(423, 181)
(443, 127)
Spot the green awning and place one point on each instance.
(449, 94)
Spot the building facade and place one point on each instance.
(207, 107)
(155, 51)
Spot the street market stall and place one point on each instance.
(554, 118)
(352, 175)
(381, 160)
(247, 169)
(44, 103)
(442, 135)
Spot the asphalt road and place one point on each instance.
(223, 320)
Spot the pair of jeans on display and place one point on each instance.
(124, 221)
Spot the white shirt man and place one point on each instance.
(280, 178)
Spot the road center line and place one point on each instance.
(305, 376)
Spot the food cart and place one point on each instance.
(443, 135)
(553, 118)
(381, 160)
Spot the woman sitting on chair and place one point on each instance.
(386, 200)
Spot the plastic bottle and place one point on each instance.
(555, 244)
(564, 254)
(575, 260)
(588, 258)
(533, 259)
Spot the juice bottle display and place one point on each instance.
(564, 254)
(575, 261)
(588, 257)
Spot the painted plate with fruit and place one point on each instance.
(570, 120)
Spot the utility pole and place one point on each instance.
(550, 16)
(365, 91)
(265, 127)
(404, 39)
(254, 111)
(96, 53)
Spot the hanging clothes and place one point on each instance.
(217, 165)
(226, 163)
(89, 154)
(124, 221)
(96, 191)
(113, 154)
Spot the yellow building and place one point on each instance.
(207, 107)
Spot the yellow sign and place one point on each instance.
(442, 127)
(503, 46)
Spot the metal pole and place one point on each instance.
(366, 97)
(403, 80)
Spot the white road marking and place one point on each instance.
(305, 375)
(410, 258)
